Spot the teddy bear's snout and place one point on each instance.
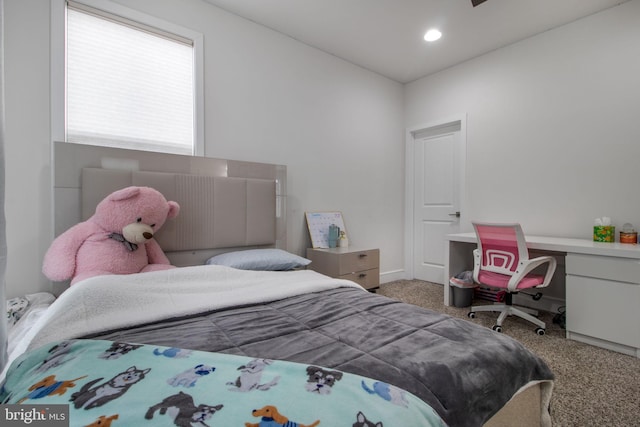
(137, 232)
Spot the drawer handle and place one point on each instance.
(362, 275)
(362, 255)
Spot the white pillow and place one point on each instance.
(260, 259)
(22, 314)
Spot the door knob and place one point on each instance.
(457, 214)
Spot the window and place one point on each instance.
(130, 83)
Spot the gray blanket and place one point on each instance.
(464, 371)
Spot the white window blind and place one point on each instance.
(128, 85)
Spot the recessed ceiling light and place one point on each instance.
(432, 35)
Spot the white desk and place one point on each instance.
(602, 286)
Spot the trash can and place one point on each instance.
(462, 287)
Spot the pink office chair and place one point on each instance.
(502, 261)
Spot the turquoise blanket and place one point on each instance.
(124, 384)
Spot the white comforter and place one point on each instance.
(109, 302)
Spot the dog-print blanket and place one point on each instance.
(126, 384)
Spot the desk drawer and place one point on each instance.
(604, 267)
(604, 309)
(358, 261)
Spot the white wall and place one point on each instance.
(27, 143)
(553, 125)
(268, 98)
(556, 114)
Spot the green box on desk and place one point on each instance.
(604, 233)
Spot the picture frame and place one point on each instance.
(318, 224)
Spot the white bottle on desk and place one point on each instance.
(343, 241)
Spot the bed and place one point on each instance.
(401, 355)
(221, 343)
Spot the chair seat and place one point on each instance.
(497, 280)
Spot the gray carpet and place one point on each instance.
(593, 387)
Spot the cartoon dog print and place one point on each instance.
(189, 377)
(184, 412)
(110, 390)
(118, 349)
(49, 386)
(272, 418)
(321, 381)
(362, 421)
(58, 354)
(173, 352)
(16, 307)
(387, 392)
(103, 421)
(250, 376)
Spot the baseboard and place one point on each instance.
(620, 348)
(391, 276)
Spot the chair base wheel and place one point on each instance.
(497, 328)
(472, 314)
(540, 331)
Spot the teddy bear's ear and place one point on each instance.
(174, 209)
(124, 194)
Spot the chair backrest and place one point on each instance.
(501, 247)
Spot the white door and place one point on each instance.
(438, 174)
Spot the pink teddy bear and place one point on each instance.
(117, 239)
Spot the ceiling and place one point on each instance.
(386, 36)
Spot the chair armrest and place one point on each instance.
(526, 267)
(476, 265)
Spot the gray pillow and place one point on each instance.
(260, 259)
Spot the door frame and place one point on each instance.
(409, 183)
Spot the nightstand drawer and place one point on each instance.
(358, 265)
(368, 279)
(358, 261)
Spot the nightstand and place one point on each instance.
(359, 265)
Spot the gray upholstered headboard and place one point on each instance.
(225, 204)
(215, 212)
